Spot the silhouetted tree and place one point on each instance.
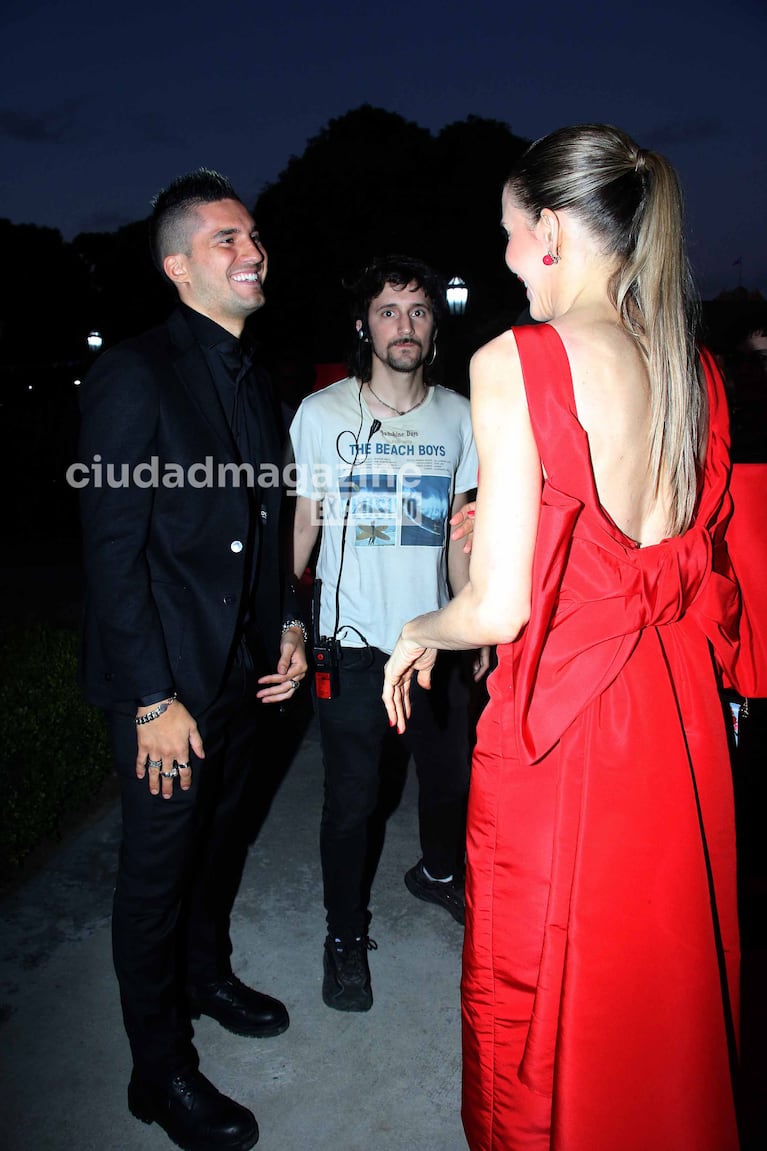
(41, 297)
(362, 186)
(472, 160)
(372, 182)
(126, 293)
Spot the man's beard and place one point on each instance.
(399, 359)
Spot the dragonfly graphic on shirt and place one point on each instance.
(369, 533)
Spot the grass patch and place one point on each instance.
(54, 748)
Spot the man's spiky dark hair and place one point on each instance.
(173, 208)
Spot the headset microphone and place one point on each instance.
(374, 427)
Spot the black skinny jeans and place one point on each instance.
(357, 746)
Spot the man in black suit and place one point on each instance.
(188, 633)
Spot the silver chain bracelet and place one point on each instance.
(297, 623)
(155, 712)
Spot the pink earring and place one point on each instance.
(548, 259)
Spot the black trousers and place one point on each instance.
(179, 869)
(358, 747)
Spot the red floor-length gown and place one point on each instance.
(600, 979)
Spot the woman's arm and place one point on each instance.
(494, 605)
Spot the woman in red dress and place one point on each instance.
(600, 972)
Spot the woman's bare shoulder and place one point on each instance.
(497, 355)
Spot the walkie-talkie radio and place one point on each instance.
(326, 678)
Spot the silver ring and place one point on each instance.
(172, 774)
(295, 684)
(181, 766)
(155, 763)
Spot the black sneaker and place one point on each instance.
(448, 895)
(346, 985)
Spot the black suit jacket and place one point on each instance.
(169, 551)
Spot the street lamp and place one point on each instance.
(457, 295)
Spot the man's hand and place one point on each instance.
(291, 669)
(163, 749)
(480, 665)
(462, 524)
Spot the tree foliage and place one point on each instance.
(370, 183)
(127, 294)
(42, 296)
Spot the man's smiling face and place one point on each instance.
(223, 273)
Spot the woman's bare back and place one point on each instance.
(612, 399)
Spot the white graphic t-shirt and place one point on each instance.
(385, 488)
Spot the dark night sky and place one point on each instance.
(103, 104)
